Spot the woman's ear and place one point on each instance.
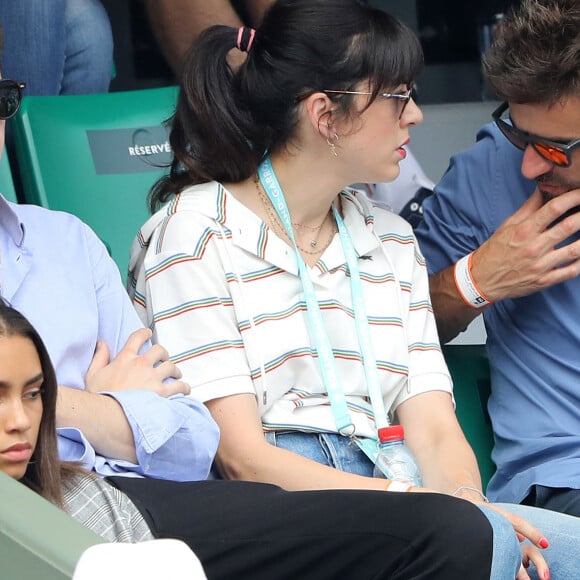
(320, 113)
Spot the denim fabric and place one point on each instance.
(563, 533)
(340, 452)
(506, 549)
(57, 46)
(327, 448)
(88, 65)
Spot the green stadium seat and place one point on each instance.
(96, 156)
(469, 369)
(6, 182)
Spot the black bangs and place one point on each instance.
(390, 53)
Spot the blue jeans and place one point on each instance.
(57, 46)
(562, 531)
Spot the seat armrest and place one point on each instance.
(37, 539)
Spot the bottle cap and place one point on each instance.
(392, 433)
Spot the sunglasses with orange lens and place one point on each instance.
(555, 152)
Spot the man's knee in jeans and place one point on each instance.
(89, 48)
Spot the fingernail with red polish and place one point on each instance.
(546, 575)
(544, 544)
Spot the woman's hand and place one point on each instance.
(531, 554)
(524, 530)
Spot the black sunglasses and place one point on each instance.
(559, 154)
(10, 98)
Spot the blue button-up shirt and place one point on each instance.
(532, 341)
(55, 271)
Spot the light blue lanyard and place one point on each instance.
(322, 344)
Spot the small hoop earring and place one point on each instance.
(333, 145)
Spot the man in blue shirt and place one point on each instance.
(501, 237)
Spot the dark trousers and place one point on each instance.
(242, 530)
(557, 499)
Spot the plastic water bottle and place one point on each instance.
(395, 460)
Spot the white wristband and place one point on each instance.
(394, 485)
(466, 285)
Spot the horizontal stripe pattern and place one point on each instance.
(222, 294)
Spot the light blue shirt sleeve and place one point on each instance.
(74, 446)
(175, 438)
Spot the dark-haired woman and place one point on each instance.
(28, 448)
(291, 304)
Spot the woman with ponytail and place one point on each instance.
(296, 309)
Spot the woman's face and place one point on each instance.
(374, 148)
(20, 403)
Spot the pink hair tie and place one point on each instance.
(245, 38)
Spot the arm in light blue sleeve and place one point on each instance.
(175, 438)
(74, 446)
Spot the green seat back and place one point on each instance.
(469, 369)
(6, 183)
(37, 540)
(96, 156)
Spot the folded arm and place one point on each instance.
(137, 420)
(101, 419)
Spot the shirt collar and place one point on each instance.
(358, 216)
(10, 222)
(357, 213)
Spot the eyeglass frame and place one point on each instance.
(406, 96)
(15, 85)
(530, 139)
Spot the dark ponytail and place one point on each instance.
(209, 128)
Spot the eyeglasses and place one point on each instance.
(559, 154)
(402, 98)
(10, 98)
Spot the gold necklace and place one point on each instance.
(310, 228)
(279, 227)
(322, 248)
